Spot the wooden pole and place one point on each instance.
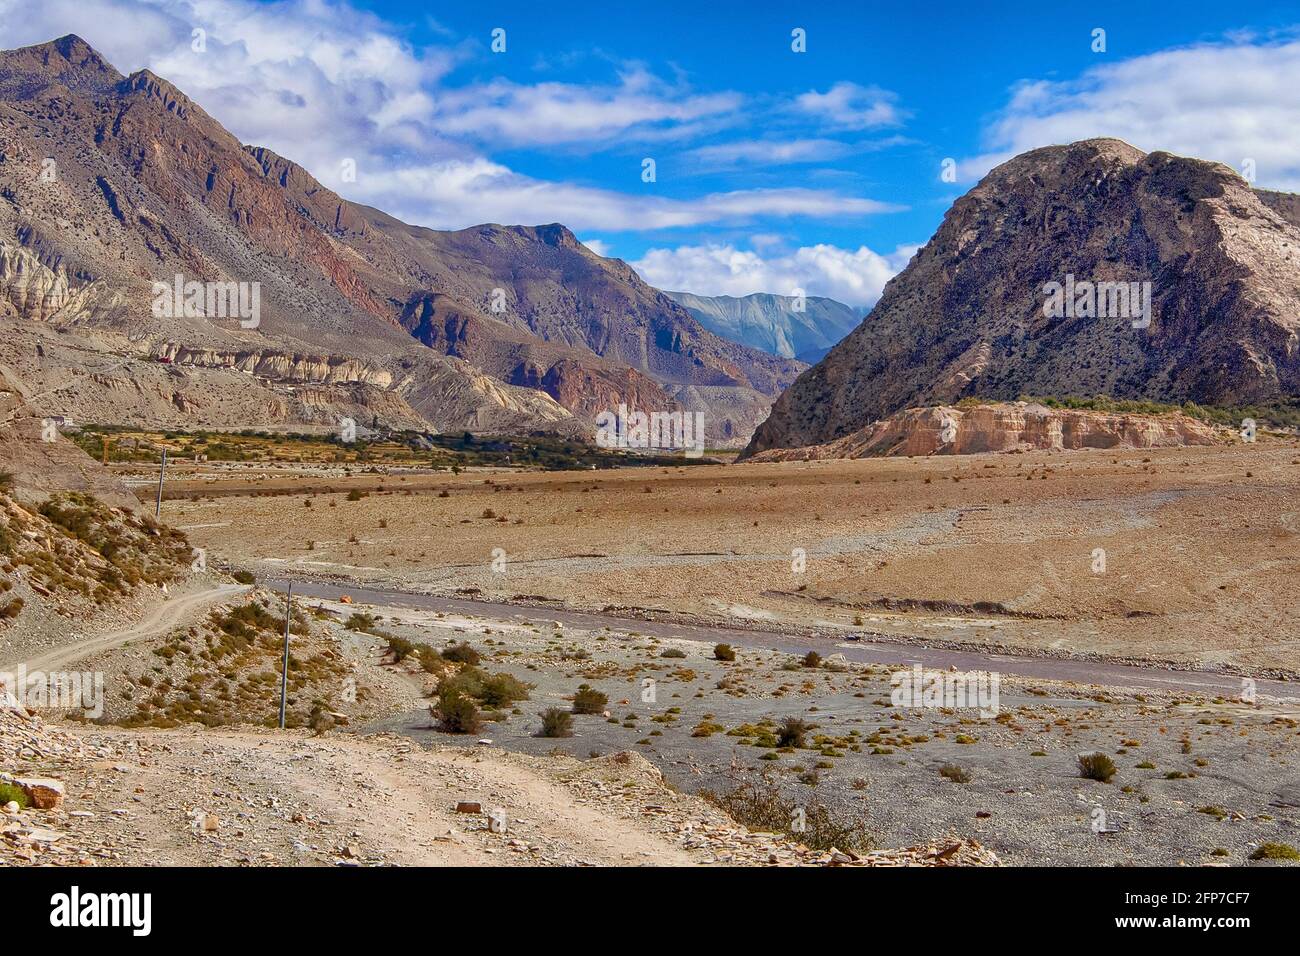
(284, 671)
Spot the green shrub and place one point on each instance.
(724, 652)
(588, 700)
(792, 731)
(760, 805)
(12, 609)
(1275, 851)
(502, 690)
(812, 659)
(673, 652)
(244, 577)
(360, 621)
(950, 771)
(456, 713)
(1096, 766)
(556, 723)
(9, 792)
(462, 653)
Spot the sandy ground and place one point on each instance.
(1188, 554)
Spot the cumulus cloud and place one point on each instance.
(853, 276)
(333, 88)
(1229, 101)
(639, 105)
(848, 106)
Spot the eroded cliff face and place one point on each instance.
(1005, 427)
(279, 366)
(966, 318)
(33, 290)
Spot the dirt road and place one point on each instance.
(171, 613)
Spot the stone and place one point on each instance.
(42, 793)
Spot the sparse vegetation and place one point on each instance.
(556, 722)
(588, 700)
(760, 805)
(1096, 766)
(1275, 851)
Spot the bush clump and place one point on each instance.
(462, 653)
(1096, 766)
(588, 700)
(792, 731)
(556, 722)
(950, 771)
(456, 713)
(760, 805)
(1275, 851)
(724, 652)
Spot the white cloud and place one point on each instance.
(598, 246)
(321, 82)
(552, 113)
(770, 152)
(1228, 102)
(848, 106)
(855, 277)
(457, 193)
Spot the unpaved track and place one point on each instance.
(287, 798)
(170, 614)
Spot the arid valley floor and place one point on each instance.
(625, 579)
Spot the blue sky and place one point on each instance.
(774, 169)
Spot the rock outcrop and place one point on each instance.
(966, 318)
(1005, 427)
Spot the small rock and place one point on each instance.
(42, 792)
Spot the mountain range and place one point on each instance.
(803, 329)
(979, 311)
(110, 184)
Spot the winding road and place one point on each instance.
(167, 615)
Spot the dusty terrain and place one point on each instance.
(1199, 780)
(236, 795)
(1181, 554)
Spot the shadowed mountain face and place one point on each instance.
(109, 184)
(967, 317)
(774, 323)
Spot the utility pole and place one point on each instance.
(284, 671)
(157, 508)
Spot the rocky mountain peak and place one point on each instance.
(69, 61)
(1211, 262)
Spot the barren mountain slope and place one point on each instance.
(109, 184)
(774, 323)
(966, 317)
